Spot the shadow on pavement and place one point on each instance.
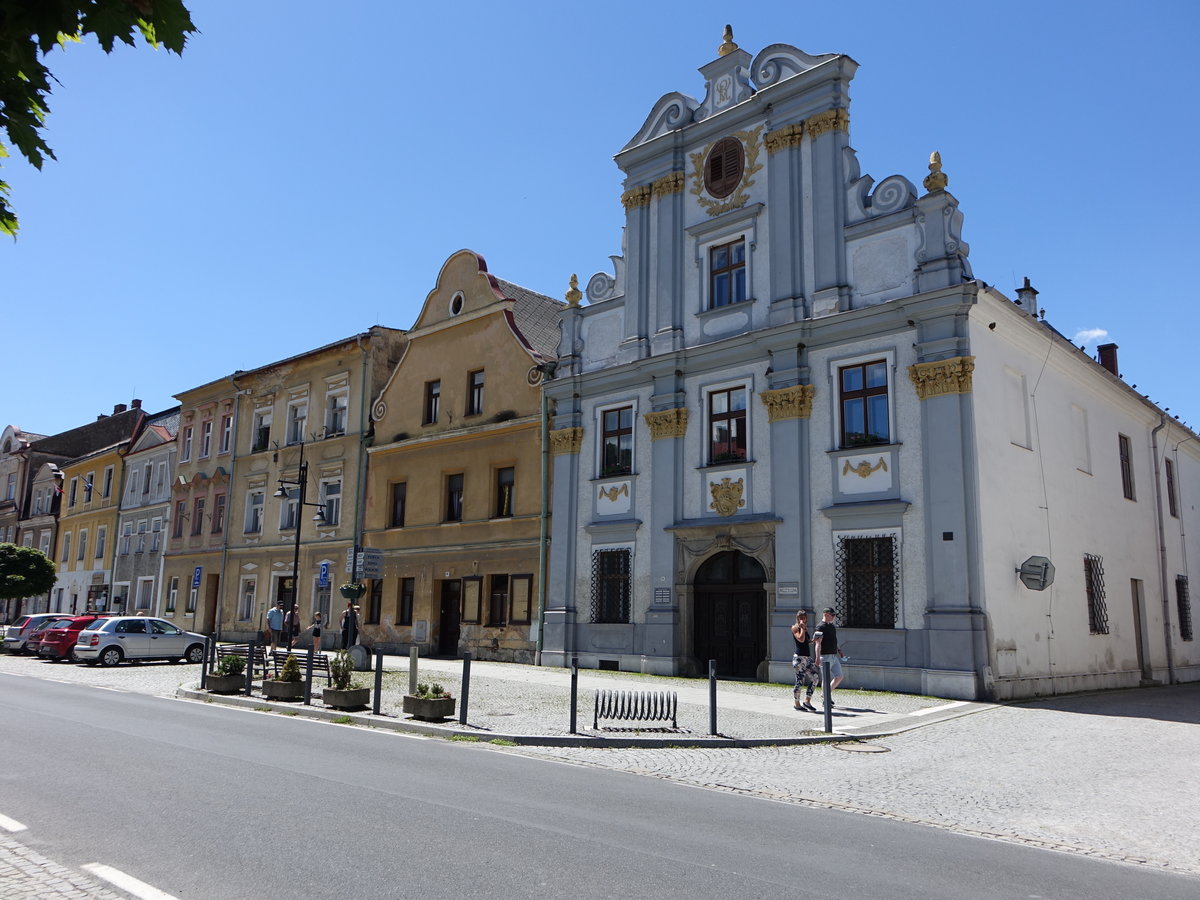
(1170, 703)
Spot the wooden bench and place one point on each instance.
(243, 650)
(320, 663)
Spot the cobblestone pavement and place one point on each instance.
(26, 875)
(1114, 775)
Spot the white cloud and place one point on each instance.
(1090, 335)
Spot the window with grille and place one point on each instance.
(1185, 607)
(611, 588)
(1093, 577)
(1126, 452)
(727, 274)
(868, 581)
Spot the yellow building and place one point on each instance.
(300, 419)
(454, 497)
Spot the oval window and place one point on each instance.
(724, 166)
(456, 304)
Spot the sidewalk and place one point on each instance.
(530, 705)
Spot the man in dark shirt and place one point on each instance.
(826, 640)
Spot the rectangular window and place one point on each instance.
(74, 491)
(254, 512)
(727, 425)
(141, 536)
(191, 601)
(289, 510)
(433, 401)
(475, 393)
(149, 475)
(156, 525)
(43, 543)
(498, 601)
(246, 599)
(161, 482)
(88, 479)
(1125, 449)
(616, 428)
(185, 444)
(611, 585)
(505, 482)
(10, 490)
(331, 497)
(399, 502)
(145, 593)
(206, 439)
(374, 602)
(1183, 601)
(727, 274)
(180, 515)
(37, 502)
(1172, 498)
(82, 544)
(335, 414)
(101, 540)
(108, 481)
(198, 516)
(321, 602)
(172, 593)
(226, 439)
(261, 437)
(522, 600)
(454, 498)
(126, 538)
(864, 403)
(868, 584)
(218, 517)
(66, 547)
(1093, 577)
(297, 418)
(472, 587)
(404, 602)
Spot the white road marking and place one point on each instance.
(10, 824)
(942, 708)
(127, 883)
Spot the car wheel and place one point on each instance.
(71, 657)
(110, 656)
(195, 654)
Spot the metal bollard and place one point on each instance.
(378, 682)
(250, 648)
(712, 696)
(412, 670)
(204, 664)
(827, 694)
(574, 690)
(466, 689)
(308, 678)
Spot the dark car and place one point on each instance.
(58, 641)
(33, 640)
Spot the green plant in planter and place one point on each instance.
(231, 665)
(290, 670)
(341, 667)
(352, 590)
(431, 691)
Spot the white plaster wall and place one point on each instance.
(906, 423)
(881, 265)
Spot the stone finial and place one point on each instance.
(936, 180)
(574, 295)
(727, 44)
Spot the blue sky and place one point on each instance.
(305, 168)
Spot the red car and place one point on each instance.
(34, 640)
(58, 640)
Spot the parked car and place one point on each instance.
(19, 631)
(116, 638)
(33, 641)
(58, 640)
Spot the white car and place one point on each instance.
(136, 637)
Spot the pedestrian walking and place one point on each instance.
(349, 625)
(275, 624)
(291, 626)
(315, 628)
(825, 639)
(808, 674)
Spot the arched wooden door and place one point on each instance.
(730, 620)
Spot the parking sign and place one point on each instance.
(196, 577)
(323, 578)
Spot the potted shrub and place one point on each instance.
(352, 590)
(227, 677)
(342, 695)
(431, 703)
(288, 686)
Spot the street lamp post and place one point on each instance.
(301, 484)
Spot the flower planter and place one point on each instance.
(350, 698)
(352, 593)
(428, 709)
(283, 690)
(224, 684)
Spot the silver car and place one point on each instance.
(111, 640)
(18, 632)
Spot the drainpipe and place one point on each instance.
(547, 370)
(1162, 545)
(361, 491)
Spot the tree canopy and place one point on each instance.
(29, 29)
(24, 572)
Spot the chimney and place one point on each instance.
(1108, 357)
(136, 404)
(119, 408)
(1027, 298)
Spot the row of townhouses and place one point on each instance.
(790, 391)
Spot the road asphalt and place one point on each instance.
(1112, 775)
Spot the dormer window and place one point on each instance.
(724, 167)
